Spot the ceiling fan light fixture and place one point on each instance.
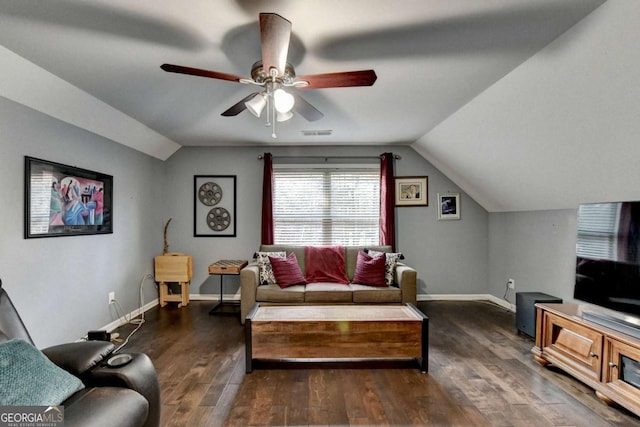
(283, 117)
(256, 104)
(272, 73)
(283, 101)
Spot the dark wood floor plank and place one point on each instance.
(481, 374)
(188, 406)
(392, 395)
(368, 398)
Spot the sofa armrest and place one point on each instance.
(249, 281)
(78, 357)
(407, 278)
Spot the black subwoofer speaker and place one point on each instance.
(526, 310)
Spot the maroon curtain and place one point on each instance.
(387, 201)
(267, 200)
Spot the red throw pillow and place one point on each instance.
(370, 270)
(287, 271)
(325, 264)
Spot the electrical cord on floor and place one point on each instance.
(139, 321)
(506, 292)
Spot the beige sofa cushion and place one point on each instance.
(364, 294)
(273, 293)
(328, 292)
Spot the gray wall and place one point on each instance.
(536, 249)
(450, 256)
(60, 285)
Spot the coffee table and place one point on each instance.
(334, 332)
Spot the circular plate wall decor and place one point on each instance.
(218, 219)
(210, 193)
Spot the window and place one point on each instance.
(597, 235)
(326, 206)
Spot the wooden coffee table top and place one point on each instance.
(321, 313)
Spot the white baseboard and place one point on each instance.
(214, 297)
(235, 297)
(192, 297)
(135, 313)
(467, 297)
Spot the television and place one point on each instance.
(608, 256)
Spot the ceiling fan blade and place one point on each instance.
(305, 109)
(239, 107)
(344, 79)
(199, 72)
(275, 32)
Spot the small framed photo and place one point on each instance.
(412, 191)
(449, 206)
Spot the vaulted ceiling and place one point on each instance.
(497, 94)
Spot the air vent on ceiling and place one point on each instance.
(317, 132)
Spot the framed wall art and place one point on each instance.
(449, 206)
(62, 200)
(214, 206)
(412, 191)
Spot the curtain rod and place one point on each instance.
(395, 156)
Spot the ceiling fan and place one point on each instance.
(273, 73)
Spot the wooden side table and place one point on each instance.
(226, 267)
(174, 268)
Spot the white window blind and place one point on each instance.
(326, 206)
(597, 231)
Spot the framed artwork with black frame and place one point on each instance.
(214, 210)
(63, 200)
(449, 206)
(411, 191)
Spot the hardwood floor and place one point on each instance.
(481, 373)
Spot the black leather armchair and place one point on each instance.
(128, 395)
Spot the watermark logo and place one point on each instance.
(31, 416)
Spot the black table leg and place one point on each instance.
(221, 303)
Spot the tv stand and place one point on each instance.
(622, 323)
(605, 359)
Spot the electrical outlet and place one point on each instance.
(511, 284)
(112, 297)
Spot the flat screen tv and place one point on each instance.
(608, 256)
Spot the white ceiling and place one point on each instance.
(444, 68)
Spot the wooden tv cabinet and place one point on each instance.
(606, 360)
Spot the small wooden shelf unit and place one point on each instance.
(598, 356)
(174, 268)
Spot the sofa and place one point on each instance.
(76, 376)
(400, 286)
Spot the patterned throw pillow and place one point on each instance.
(266, 271)
(392, 260)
